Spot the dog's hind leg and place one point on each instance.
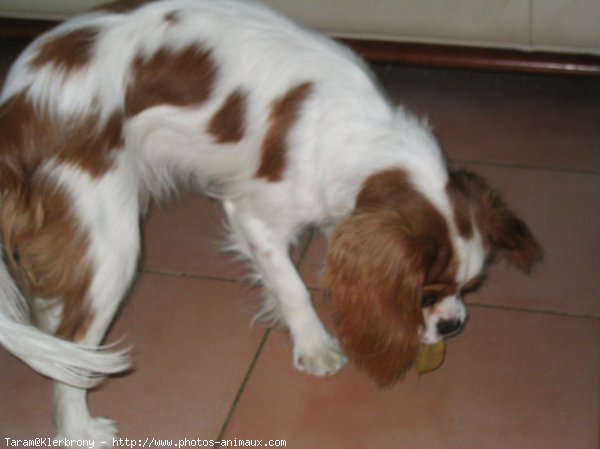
(109, 210)
(73, 242)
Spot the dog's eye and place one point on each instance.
(428, 299)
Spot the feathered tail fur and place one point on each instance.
(71, 363)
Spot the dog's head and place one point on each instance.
(398, 267)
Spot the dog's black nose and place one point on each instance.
(449, 327)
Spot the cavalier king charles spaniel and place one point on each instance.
(286, 128)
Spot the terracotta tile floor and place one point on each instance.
(524, 374)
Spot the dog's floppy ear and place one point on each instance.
(502, 229)
(373, 280)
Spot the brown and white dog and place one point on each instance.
(284, 126)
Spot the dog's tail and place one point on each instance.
(71, 363)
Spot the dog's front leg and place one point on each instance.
(287, 298)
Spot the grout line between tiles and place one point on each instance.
(533, 311)
(303, 251)
(317, 289)
(237, 280)
(513, 309)
(258, 351)
(242, 387)
(184, 274)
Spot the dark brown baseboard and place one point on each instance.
(23, 28)
(406, 53)
(476, 58)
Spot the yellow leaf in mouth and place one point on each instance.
(430, 357)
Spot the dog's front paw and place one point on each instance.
(321, 358)
(99, 431)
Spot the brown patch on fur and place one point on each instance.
(502, 230)
(69, 51)
(30, 136)
(228, 123)
(47, 252)
(378, 261)
(375, 295)
(392, 189)
(182, 77)
(284, 113)
(122, 6)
